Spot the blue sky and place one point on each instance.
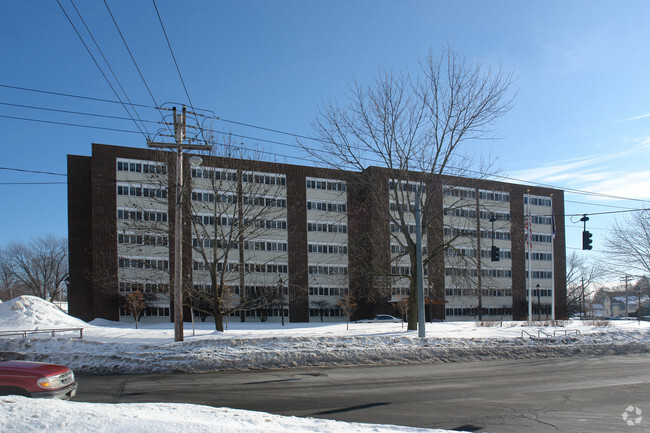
(581, 119)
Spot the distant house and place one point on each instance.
(614, 306)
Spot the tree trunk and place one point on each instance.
(218, 322)
(413, 306)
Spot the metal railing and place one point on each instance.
(53, 332)
(543, 334)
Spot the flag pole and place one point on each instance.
(552, 261)
(529, 244)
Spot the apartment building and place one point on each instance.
(314, 234)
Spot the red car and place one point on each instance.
(36, 379)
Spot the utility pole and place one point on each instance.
(626, 297)
(179, 147)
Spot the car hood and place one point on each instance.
(29, 367)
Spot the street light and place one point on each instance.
(539, 306)
(281, 290)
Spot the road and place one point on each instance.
(567, 395)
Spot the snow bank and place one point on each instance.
(118, 348)
(23, 415)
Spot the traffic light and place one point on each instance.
(494, 254)
(586, 240)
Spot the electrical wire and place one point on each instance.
(70, 124)
(178, 69)
(99, 67)
(80, 113)
(108, 65)
(299, 147)
(133, 60)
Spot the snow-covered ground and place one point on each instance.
(110, 347)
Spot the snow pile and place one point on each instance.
(20, 414)
(118, 348)
(31, 312)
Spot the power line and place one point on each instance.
(295, 146)
(80, 113)
(69, 95)
(178, 69)
(108, 64)
(70, 124)
(33, 183)
(99, 67)
(23, 170)
(134, 62)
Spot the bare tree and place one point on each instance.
(7, 275)
(237, 214)
(41, 265)
(415, 126)
(580, 275)
(135, 305)
(347, 304)
(628, 244)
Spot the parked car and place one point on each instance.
(381, 318)
(36, 379)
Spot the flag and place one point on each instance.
(528, 229)
(553, 226)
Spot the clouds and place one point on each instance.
(621, 173)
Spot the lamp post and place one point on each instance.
(281, 290)
(539, 305)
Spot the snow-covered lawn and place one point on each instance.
(110, 347)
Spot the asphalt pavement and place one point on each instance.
(591, 394)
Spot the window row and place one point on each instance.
(327, 248)
(234, 245)
(471, 252)
(142, 167)
(405, 270)
(125, 286)
(541, 256)
(327, 206)
(471, 213)
(326, 185)
(494, 196)
(464, 272)
(329, 291)
(407, 186)
(542, 293)
(142, 191)
(325, 312)
(251, 291)
(455, 232)
(461, 192)
(145, 215)
(150, 240)
(474, 292)
(542, 219)
(326, 227)
(148, 312)
(264, 268)
(264, 201)
(473, 311)
(328, 270)
(539, 201)
(125, 262)
(541, 274)
(231, 176)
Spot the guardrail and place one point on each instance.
(543, 334)
(53, 332)
(566, 332)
